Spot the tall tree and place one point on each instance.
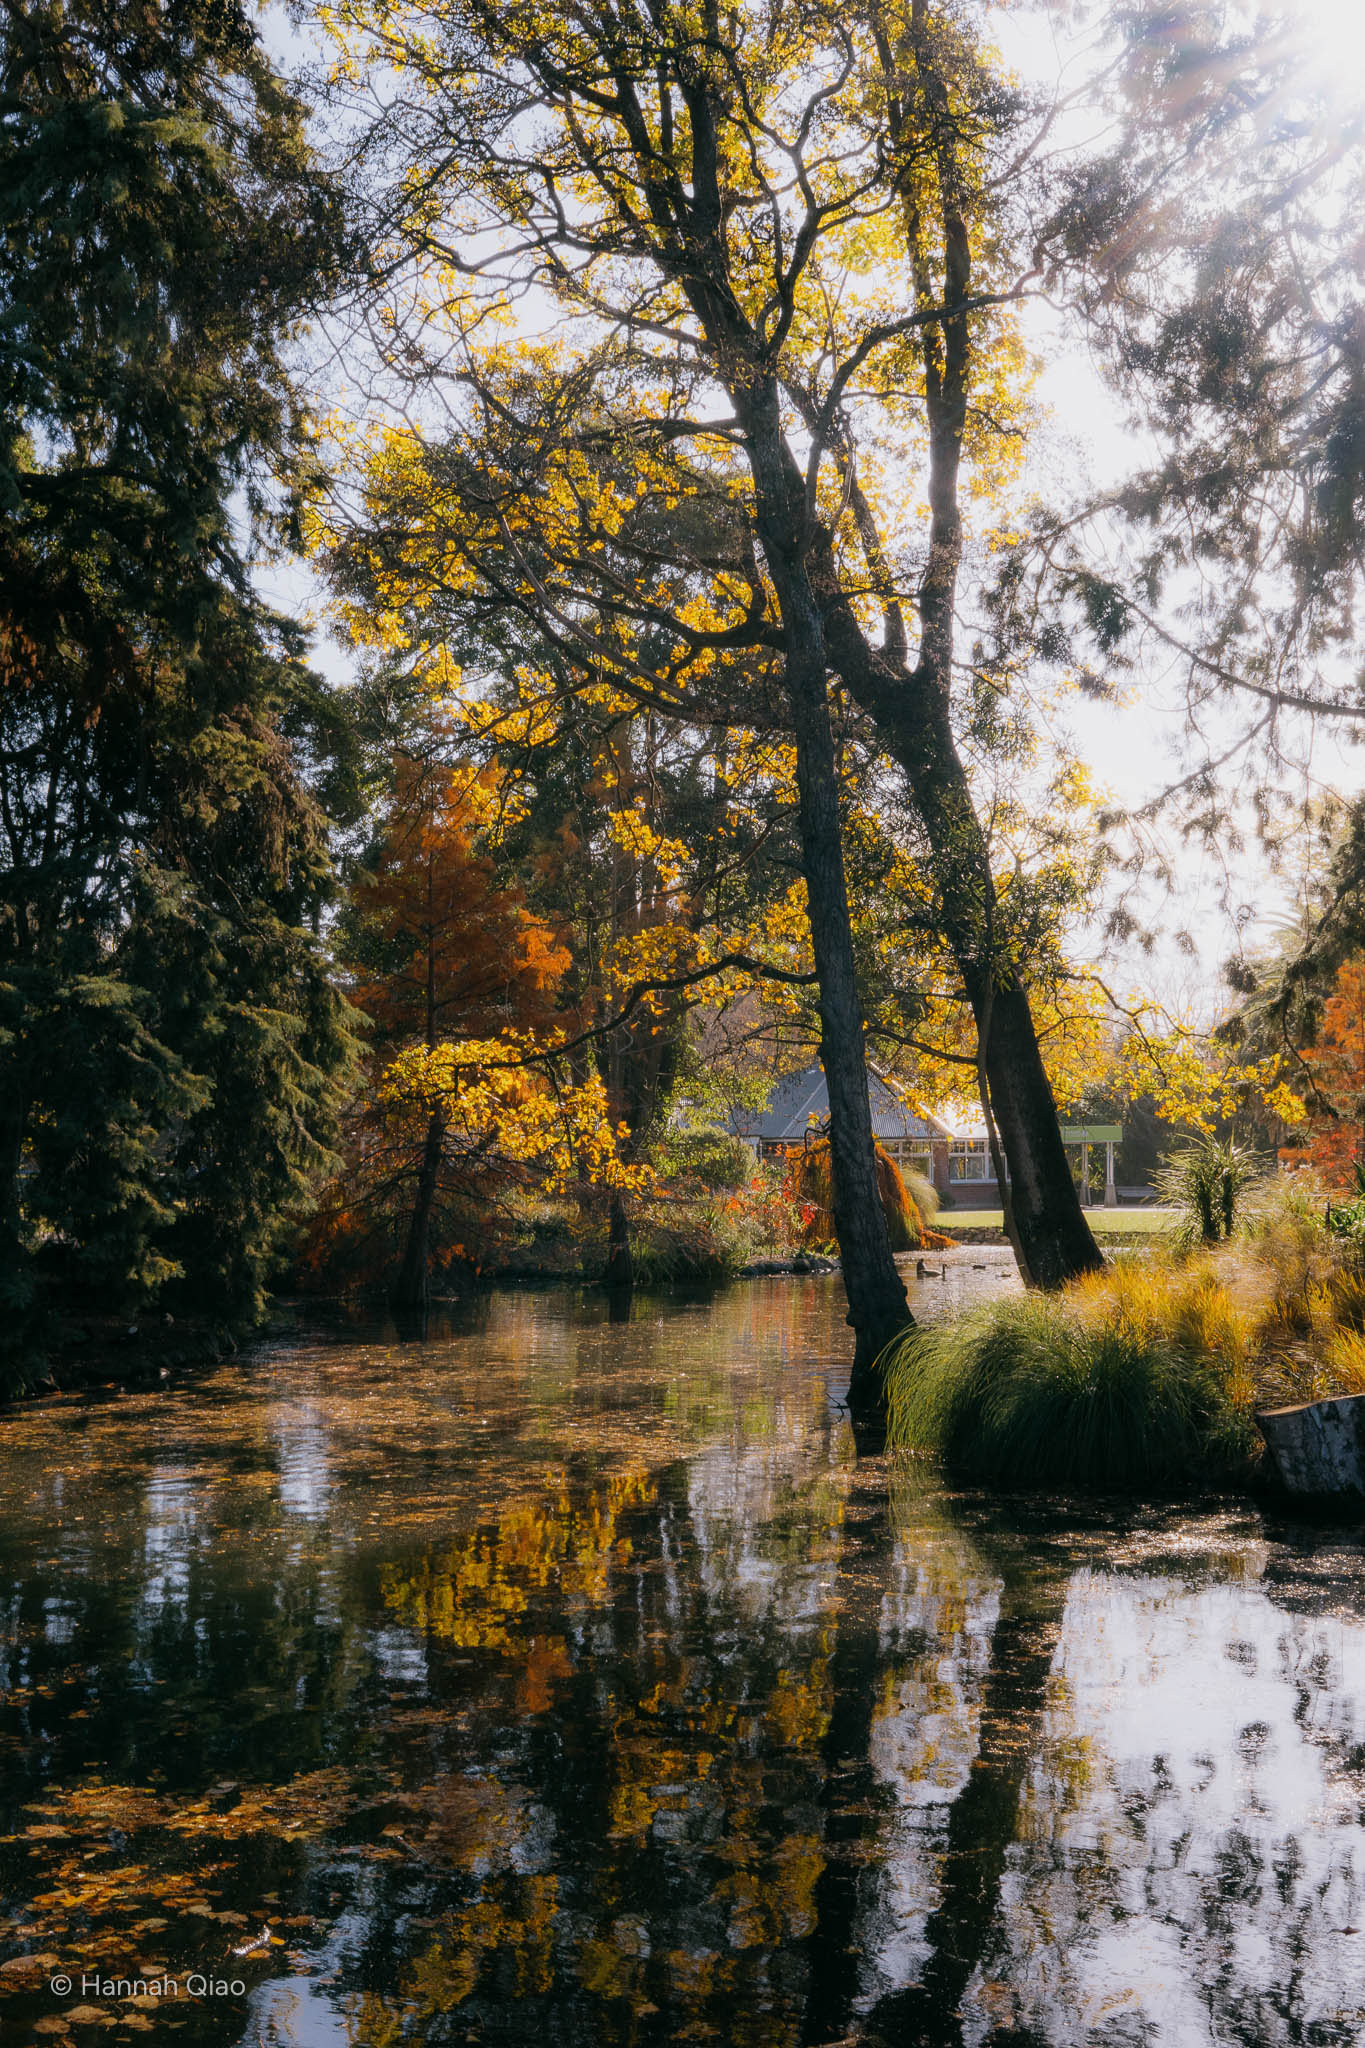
(442, 947)
(666, 842)
(780, 244)
(169, 1039)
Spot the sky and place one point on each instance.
(1226, 898)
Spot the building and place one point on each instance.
(801, 1104)
(953, 1154)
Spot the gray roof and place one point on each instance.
(803, 1099)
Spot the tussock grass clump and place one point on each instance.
(1119, 1381)
(1150, 1372)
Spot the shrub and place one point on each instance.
(1208, 1182)
(908, 1199)
(1346, 1220)
(1129, 1378)
(713, 1236)
(715, 1158)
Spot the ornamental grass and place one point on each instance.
(1147, 1374)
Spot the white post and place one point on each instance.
(1111, 1193)
(1085, 1173)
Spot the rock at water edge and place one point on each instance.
(1319, 1447)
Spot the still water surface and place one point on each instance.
(568, 1680)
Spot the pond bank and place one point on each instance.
(1150, 1373)
(91, 1351)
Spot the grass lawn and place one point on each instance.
(1104, 1222)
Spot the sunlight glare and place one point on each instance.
(1329, 36)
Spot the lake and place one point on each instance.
(570, 1680)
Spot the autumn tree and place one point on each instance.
(1332, 1074)
(442, 948)
(779, 250)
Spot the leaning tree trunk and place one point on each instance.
(1054, 1239)
(911, 710)
(911, 705)
(877, 1306)
(411, 1287)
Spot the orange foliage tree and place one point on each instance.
(441, 946)
(1337, 1063)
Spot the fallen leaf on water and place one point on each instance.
(22, 1971)
(257, 1944)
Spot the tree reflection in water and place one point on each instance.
(568, 1679)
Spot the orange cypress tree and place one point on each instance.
(1337, 1062)
(441, 946)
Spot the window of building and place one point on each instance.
(968, 1160)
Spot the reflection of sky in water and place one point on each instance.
(400, 1656)
(1193, 1847)
(735, 1494)
(170, 1537)
(924, 1742)
(301, 1437)
(293, 2012)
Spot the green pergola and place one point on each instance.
(1086, 1135)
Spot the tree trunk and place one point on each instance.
(877, 1306)
(912, 713)
(412, 1286)
(13, 1256)
(620, 1271)
(1055, 1240)
(912, 705)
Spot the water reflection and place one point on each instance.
(1191, 1850)
(567, 1678)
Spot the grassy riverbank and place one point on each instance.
(1147, 1374)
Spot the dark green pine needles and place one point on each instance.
(169, 1044)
